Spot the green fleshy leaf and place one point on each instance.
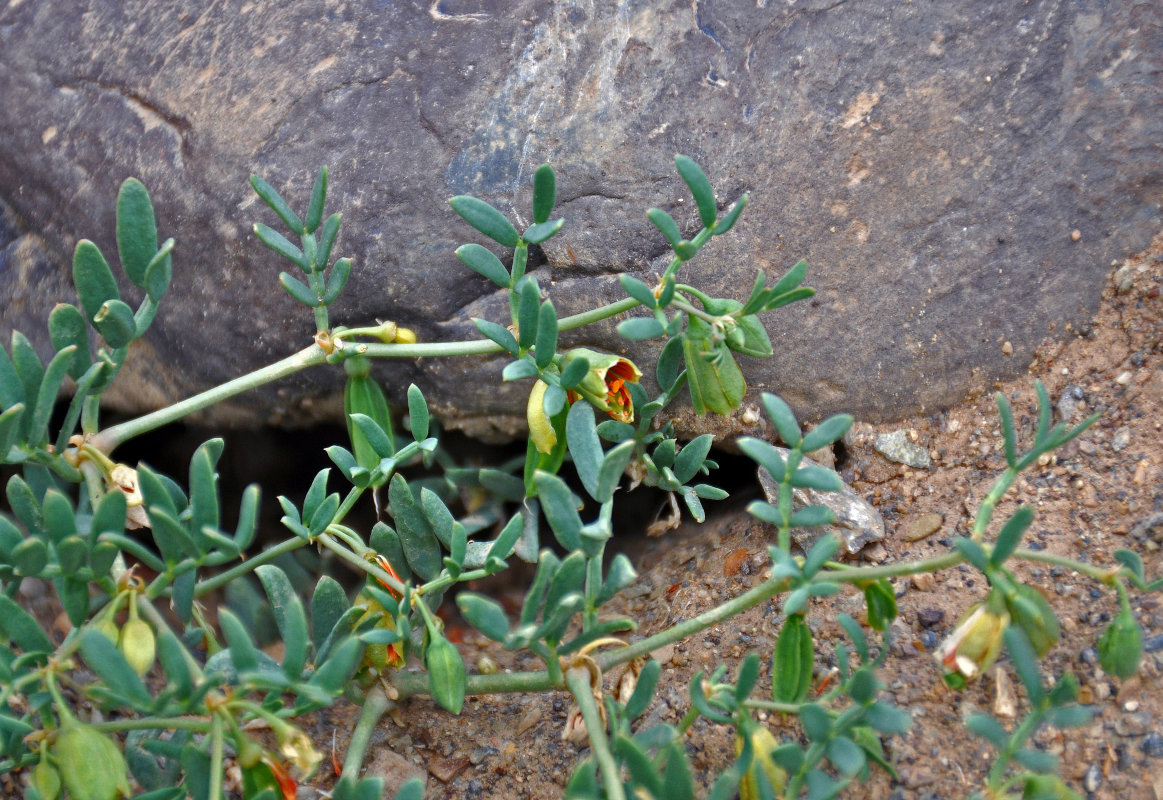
(486, 219)
(482, 261)
(665, 223)
(827, 432)
(106, 660)
(731, 217)
(421, 547)
(696, 181)
(417, 413)
(337, 280)
(136, 230)
(116, 323)
(542, 231)
(446, 673)
(484, 614)
(544, 193)
(290, 618)
(318, 197)
(640, 328)
(546, 342)
(93, 278)
(66, 327)
(638, 290)
(273, 199)
(498, 334)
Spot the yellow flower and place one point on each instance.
(296, 748)
(540, 425)
(975, 643)
(606, 385)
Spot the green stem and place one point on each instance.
(94, 482)
(578, 680)
(445, 580)
(360, 563)
(108, 439)
(849, 574)
(714, 616)
(483, 346)
(196, 724)
(1016, 740)
(689, 718)
(1101, 574)
(779, 708)
(248, 566)
(375, 705)
(593, 588)
(90, 412)
(985, 510)
(683, 305)
(217, 746)
(348, 503)
(410, 684)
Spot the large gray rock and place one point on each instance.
(929, 160)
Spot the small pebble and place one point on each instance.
(1153, 644)
(446, 769)
(1089, 656)
(1075, 235)
(1071, 403)
(924, 581)
(930, 617)
(930, 640)
(895, 446)
(1092, 779)
(1124, 278)
(479, 754)
(1152, 744)
(1124, 378)
(922, 527)
(1121, 439)
(1007, 349)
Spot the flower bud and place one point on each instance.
(605, 386)
(45, 779)
(1121, 645)
(763, 744)
(975, 643)
(91, 765)
(138, 644)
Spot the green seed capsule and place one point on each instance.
(138, 645)
(45, 779)
(91, 765)
(1121, 646)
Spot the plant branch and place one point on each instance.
(107, 440)
(578, 680)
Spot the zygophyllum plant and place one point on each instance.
(146, 694)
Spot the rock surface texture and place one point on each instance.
(930, 161)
